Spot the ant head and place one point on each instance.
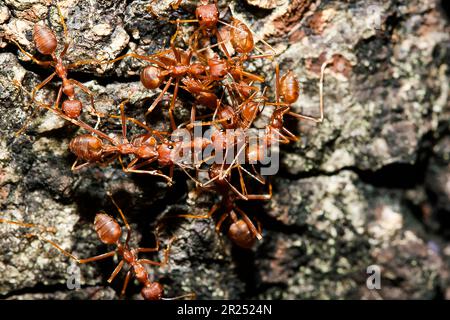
(207, 15)
(72, 108)
(165, 154)
(107, 228)
(241, 235)
(153, 291)
(44, 39)
(151, 77)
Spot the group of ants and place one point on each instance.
(213, 71)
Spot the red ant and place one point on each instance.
(109, 232)
(144, 147)
(175, 64)
(287, 90)
(242, 231)
(46, 43)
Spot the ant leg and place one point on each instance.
(91, 97)
(183, 21)
(127, 226)
(242, 196)
(137, 122)
(267, 196)
(249, 223)
(292, 136)
(175, 4)
(41, 85)
(116, 271)
(63, 23)
(73, 121)
(191, 296)
(256, 177)
(281, 137)
(99, 257)
(133, 166)
(30, 235)
(137, 56)
(223, 46)
(241, 181)
(166, 256)
(172, 44)
(29, 55)
(56, 246)
(320, 118)
(29, 225)
(214, 208)
(151, 262)
(251, 76)
(124, 123)
(76, 167)
(151, 172)
(33, 94)
(261, 56)
(83, 62)
(205, 123)
(146, 250)
(236, 158)
(172, 105)
(277, 83)
(221, 220)
(158, 99)
(58, 98)
(125, 283)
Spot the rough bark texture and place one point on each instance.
(369, 186)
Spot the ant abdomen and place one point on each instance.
(107, 228)
(289, 87)
(151, 77)
(152, 291)
(72, 108)
(44, 39)
(87, 147)
(241, 235)
(241, 37)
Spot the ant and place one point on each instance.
(242, 231)
(109, 232)
(46, 43)
(144, 147)
(287, 90)
(240, 36)
(170, 66)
